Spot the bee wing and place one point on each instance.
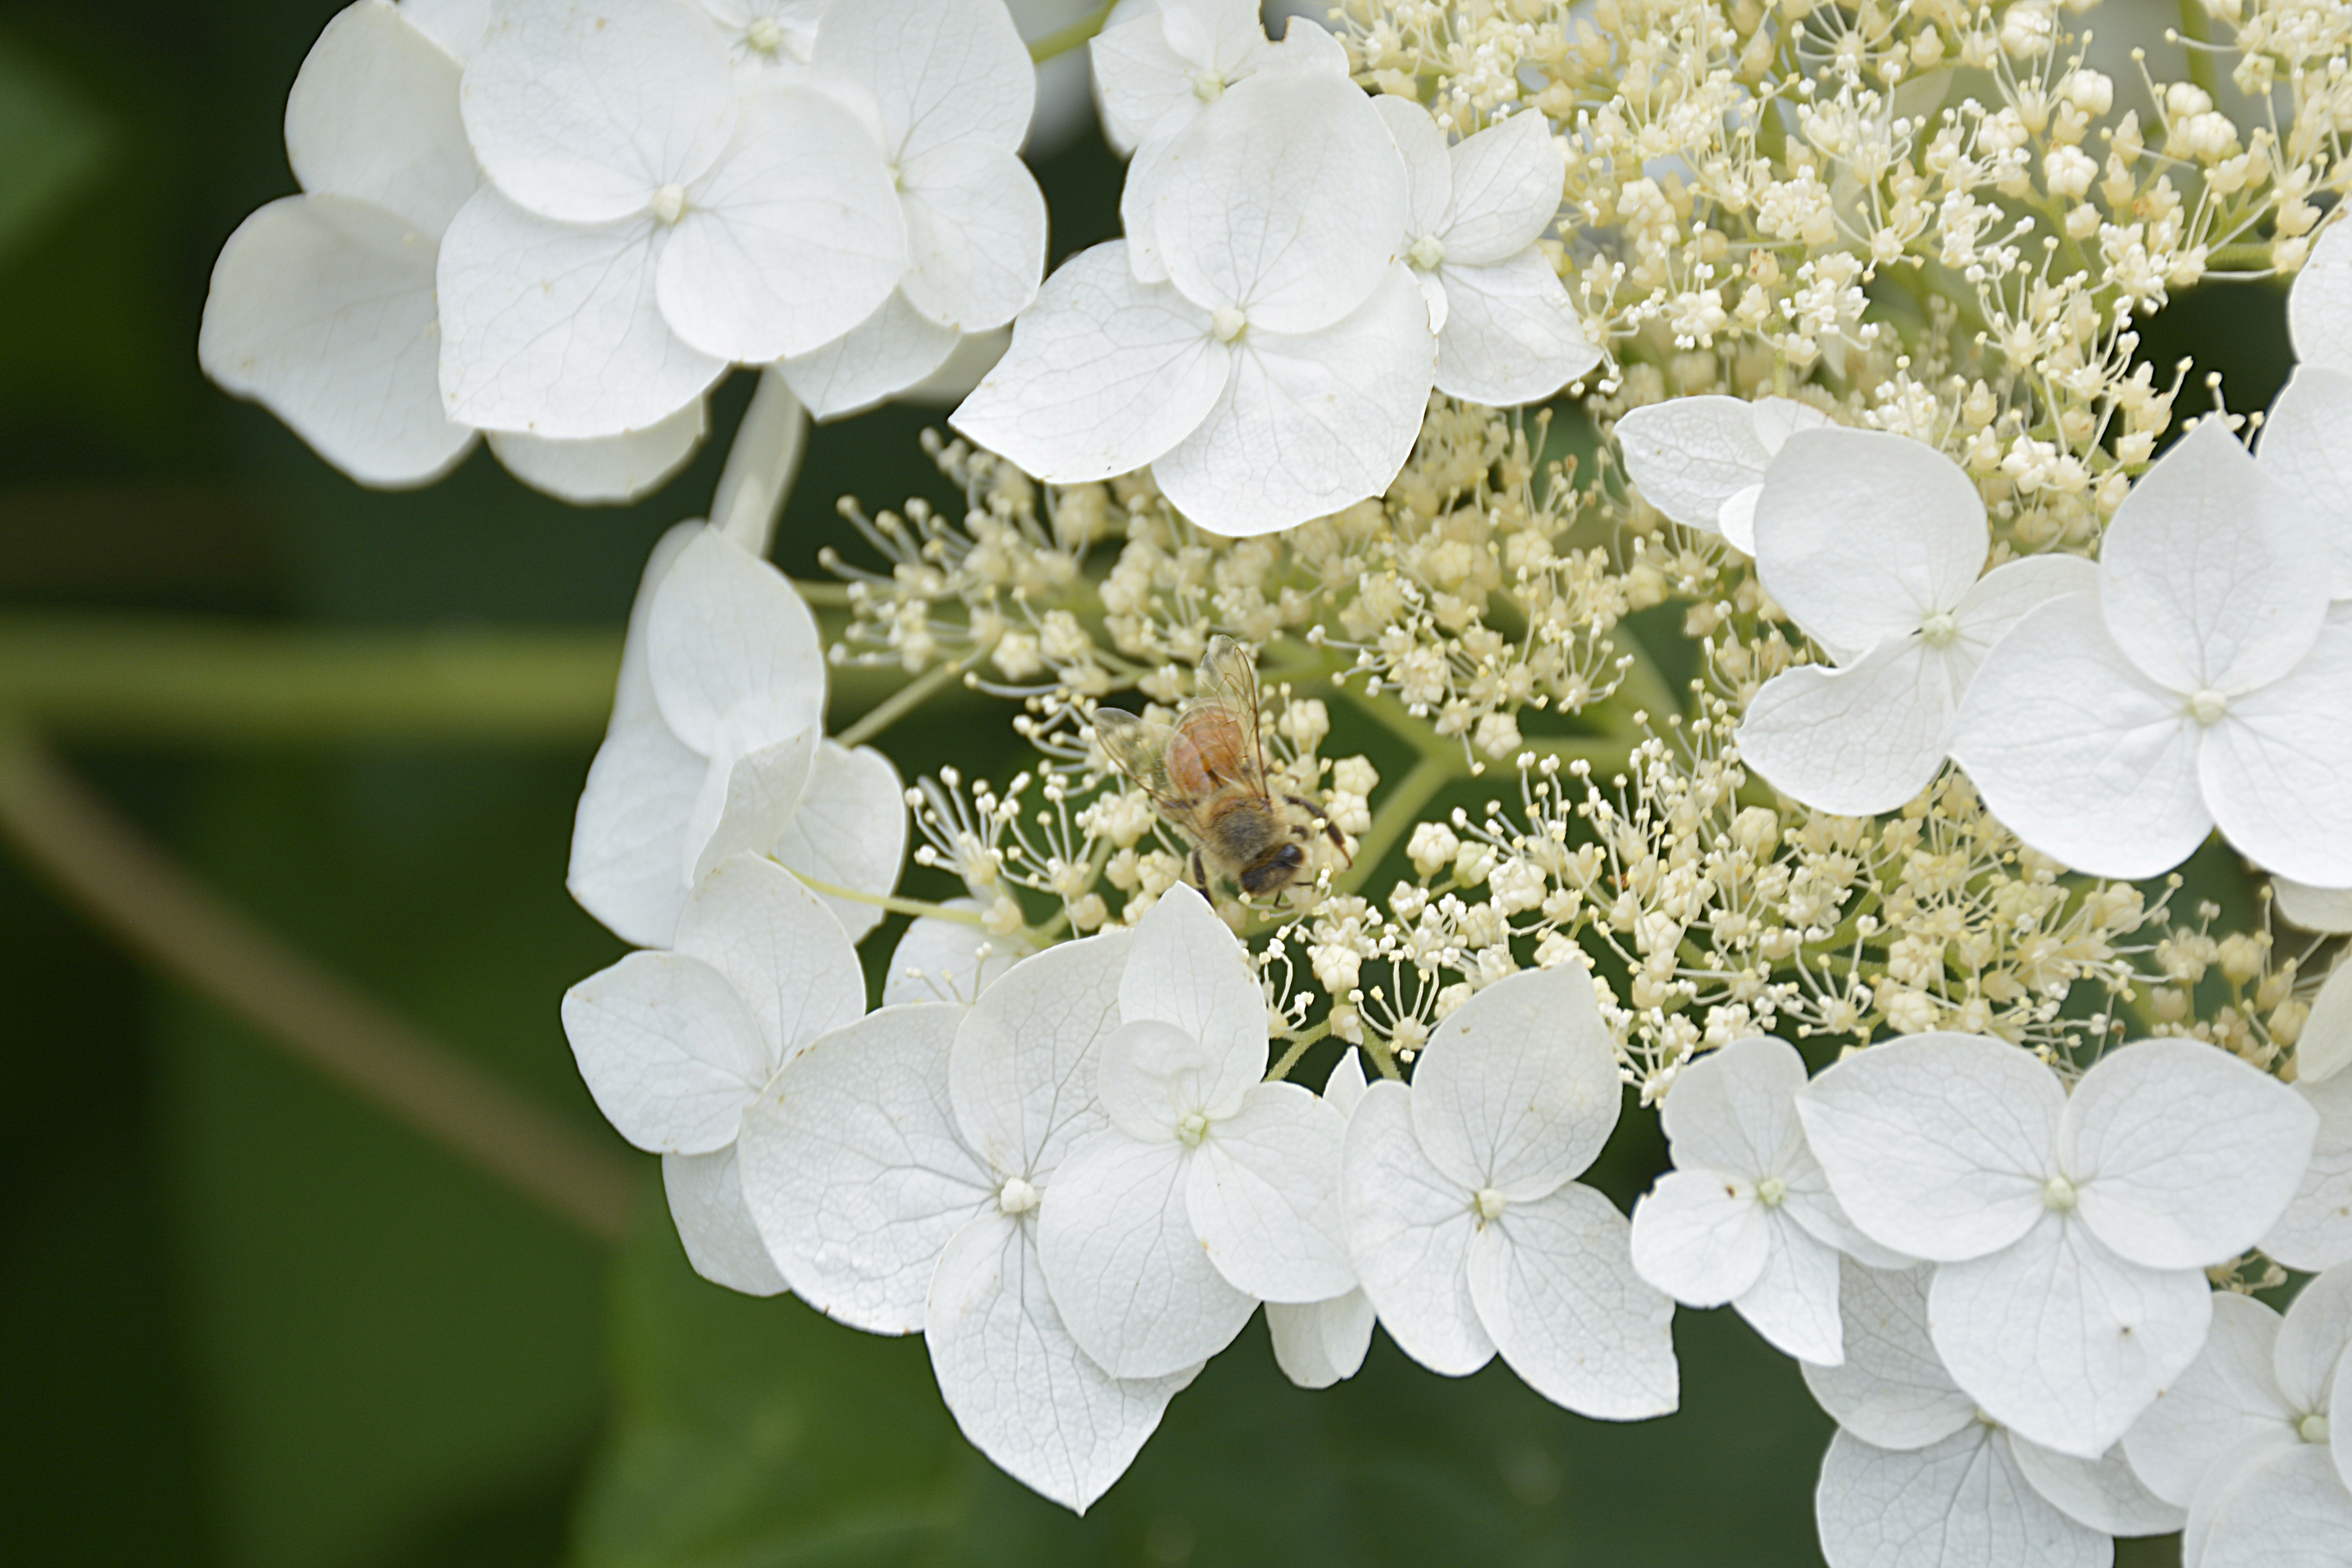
(1139, 747)
(1227, 681)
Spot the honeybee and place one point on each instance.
(1206, 773)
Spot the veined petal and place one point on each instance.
(852, 1168)
(1959, 1504)
(1192, 973)
(2292, 1510)
(669, 1052)
(609, 470)
(2277, 768)
(1794, 1302)
(1128, 1275)
(2307, 447)
(733, 651)
(1863, 534)
(322, 310)
(940, 71)
(1507, 190)
(1309, 425)
(2319, 305)
(1264, 1196)
(1222, 36)
(1861, 740)
(1555, 1285)
(1938, 1145)
(553, 330)
(2103, 1493)
(746, 802)
(1511, 334)
(1689, 455)
(2004, 595)
(1815, 1209)
(1151, 1076)
(2314, 909)
(1409, 1230)
(850, 830)
(2181, 1154)
(1428, 169)
(1021, 1074)
(1518, 1089)
(1700, 1237)
(373, 117)
(1321, 1342)
(715, 1224)
(2228, 1400)
(1891, 1391)
(1736, 1108)
(780, 950)
(2063, 1340)
(1105, 374)
(892, 349)
(1144, 86)
(580, 112)
(2315, 1232)
(2079, 754)
(949, 961)
(455, 25)
(975, 235)
(1343, 1090)
(2313, 1340)
(628, 840)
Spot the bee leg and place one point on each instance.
(1200, 874)
(1330, 829)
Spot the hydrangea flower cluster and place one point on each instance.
(1882, 901)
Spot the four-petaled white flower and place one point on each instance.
(1918, 1477)
(1212, 1190)
(1157, 72)
(1283, 370)
(322, 305)
(1507, 331)
(2072, 1233)
(1701, 460)
(763, 33)
(897, 1170)
(647, 219)
(2307, 437)
(1318, 1343)
(2247, 1438)
(2202, 683)
(1468, 1226)
(676, 1046)
(716, 746)
(1876, 544)
(1746, 1216)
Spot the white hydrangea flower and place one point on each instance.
(1507, 331)
(716, 746)
(676, 1047)
(1281, 372)
(1701, 460)
(2326, 910)
(2245, 1439)
(1468, 1226)
(764, 33)
(1158, 66)
(2073, 1233)
(2202, 683)
(2315, 1231)
(1876, 544)
(1746, 1216)
(1918, 1477)
(2307, 441)
(322, 305)
(1211, 1190)
(1318, 1343)
(896, 1169)
(647, 219)
(949, 961)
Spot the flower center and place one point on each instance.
(1488, 1203)
(1939, 630)
(1015, 1197)
(669, 204)
(1228, 323)
(1192, 1129)
(2208, 706)
(2058, 1193)
(1208, 86)
(1771, 1191)
(766, 34)
(1426, 253)
(2311, 1428)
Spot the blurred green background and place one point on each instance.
(252, 1318)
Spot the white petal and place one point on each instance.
(2227, 1401)
(949, 961)
(669, 1052)
(1151, 1076)
(966, 366)
(610, 470)
(1018, 1387)
(1344, 1089)
(1128, 1275)
(2181, 1154)
(2102, 1493)
(1863, 534)
(715, 1224)
(1815, 1208)
(1555, 1286)
(1511, 333)
(2006, 594)
(1507, 191)
(1518, 1089)
(1777, 418)
(1145, 87)
(2314, 909)
(1321, 1342)
(1138, 209)
(2206, 573)
(553, 330)
(733, 651)
(1794, 1303)
(1191, 972)
(1856, 741)
(1105, 374)
(2307, 447)
(940, 71)
(852, 1168)
(1961, 1503)
(1701, 1237)
(580, 112)
(2316, 1230)
(1263, 1196)
(373, 117)
(1937, 1145)
(322, 310)
(2313, 1340)
(2077, 752)
(1891, 1390)
(1311, 424)
(1428, 164)
(793, 238)
(2319, 305)
(2292, 1511)
(850, 830)
(745, 802)
(1690, 455)
(975, 235)
(2339, 1439)
(2062, 1339)
(1409, 1230)
(779, 947)
(1736, 1108)
(455, 25)
(1324, 214)
(2277, 769)
(2227, 1477)
(1022, 1073)
(890, 351)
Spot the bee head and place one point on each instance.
(1280, 867)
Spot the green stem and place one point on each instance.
(1062, 40)
(1298, 1047)
(890, 901)
(898, 704)
(2200, 63)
